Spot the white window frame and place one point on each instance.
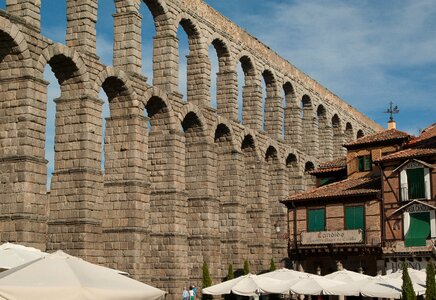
(404, 189)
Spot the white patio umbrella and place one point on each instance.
(346, 276)
(285, 274)
(416, 276)
(378, 286)
(61, 276)
(250, 285)
(383, 287)
(13, 255)
(316, 285)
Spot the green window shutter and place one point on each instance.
(361, 163)
(415, 183)
(316, 220)
(419, 229)
(354, 217)
(368, 163)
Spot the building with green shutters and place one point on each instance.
(371, 210)
(409, 202)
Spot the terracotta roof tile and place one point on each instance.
(347, 187)
(427, 137)
(331, 166)
(421, 146)
(382, 136)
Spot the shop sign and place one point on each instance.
(393, 265)
(417, 207)
(332, 237)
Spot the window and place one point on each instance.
(418, 230)
(415, 182)
(364, 163)
(316, 220)
(354, 217)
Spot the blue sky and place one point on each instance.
(367, 52)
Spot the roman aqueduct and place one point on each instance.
(182, 182)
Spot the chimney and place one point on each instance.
(392, 124)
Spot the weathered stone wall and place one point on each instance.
(183, 183)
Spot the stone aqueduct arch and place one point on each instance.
(198, 186)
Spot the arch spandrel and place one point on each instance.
(21, 47)
(55, 54)
(222, 121)
(155, 92)
(119, 75)
(189, 108)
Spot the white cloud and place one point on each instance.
(368, 54)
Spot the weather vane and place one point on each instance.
(392, 110)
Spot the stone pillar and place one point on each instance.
(278, 190)
(258, 216)
(23, 168)
(274, 117)
(127, 37)
(81, 22)
(127, 196)
(77, 183)
(338, 141)
(227, 95)
(293, 126)
(310, 133)
(198, 78)
(203, 207)
(230, 181)
(29, 10)
(165, 62)
(325, 141)
(252, 103)
(169, 210)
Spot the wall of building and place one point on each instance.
(197, 185)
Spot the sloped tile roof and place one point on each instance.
(331, 166)
(347, 187)
(382, 136)
(421, 146)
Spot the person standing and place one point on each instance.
(191, 293)
(185, 294)
(194, 288)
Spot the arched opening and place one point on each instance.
(288, 105)
(338, 137)
(188, 37)
(251, 111)
(309, 166)
(53, 92)
(116, 99)
(325, 137)
(360, 134)
(214, 69)
(219, 55)
(294, 176)
(310, 130)
(271, 105)
(349, 133)
(241, 84)
(62, 74)
(149, 11)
